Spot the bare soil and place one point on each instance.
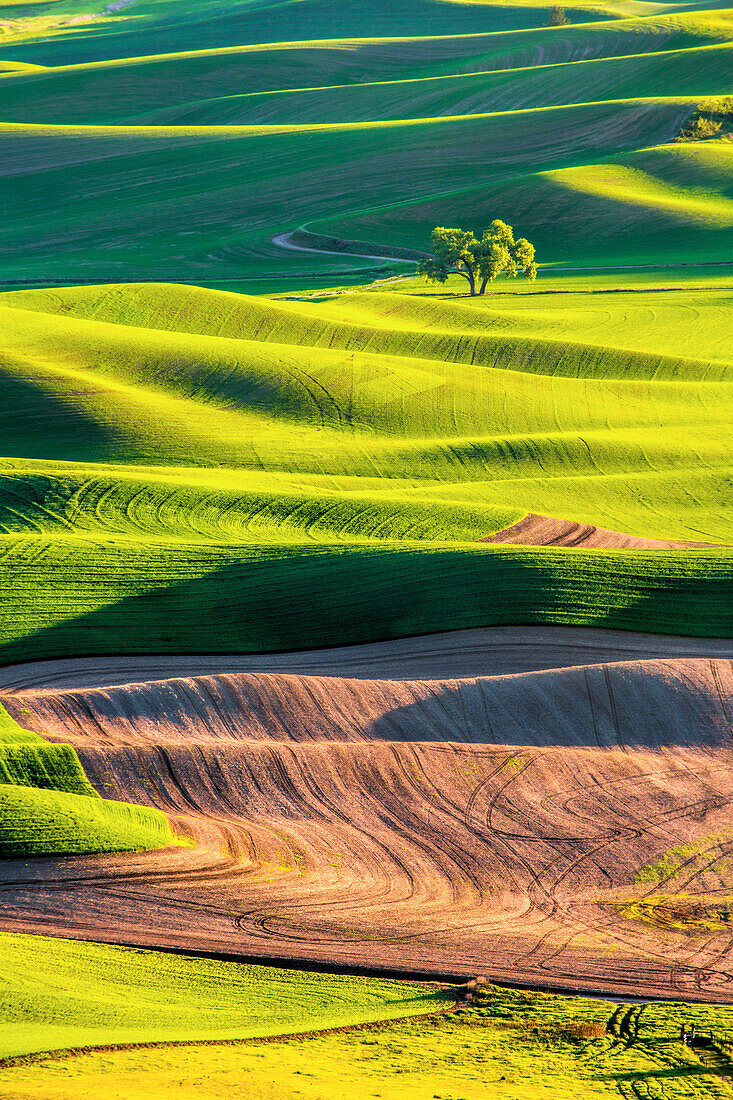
(537, 530)
(469, 825)
(458, 654)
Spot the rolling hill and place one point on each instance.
(194, 451)
(566, 827)
(222, 130)
(368, 625)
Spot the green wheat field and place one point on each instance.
(235, 421)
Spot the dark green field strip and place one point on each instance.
(696, 72)
(613, 233)
(227, 89)
(124, 96)
(201, 202)
(505, 35)
(75, 599)
(180, 26)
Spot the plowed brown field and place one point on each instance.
(537, 530)
(552, 827)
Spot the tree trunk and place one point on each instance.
(468, 275)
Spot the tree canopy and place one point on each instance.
(478, 260)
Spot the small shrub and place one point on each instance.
(712, 118)
(701, 129)
(557, 18)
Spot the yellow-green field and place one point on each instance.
(207, 463)
(60, 994)
(504, 1044)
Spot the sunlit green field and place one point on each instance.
(504, 1044)
(61, 994)
(206, 463)
(47, 804)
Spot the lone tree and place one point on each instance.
(557, 18)
(478, 261)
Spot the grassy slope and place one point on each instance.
(376, 437)
(39, 822)
(678, 199)
(510, 1045)
(47, 804)
(254, 137)
(27, 760)
(163, 28)
(60, 993)
(533, 87)
(212, 190)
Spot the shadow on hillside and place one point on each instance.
(642, 705)
(299, 598)
(38, 424)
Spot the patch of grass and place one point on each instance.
(44, 766)
(62, 993)
(510, 1045)
(27, 760)
(48, 806)
(684, 856)
(37, 822)
(680, 912)
(666, 902)
(701, 129)
(13, 734)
